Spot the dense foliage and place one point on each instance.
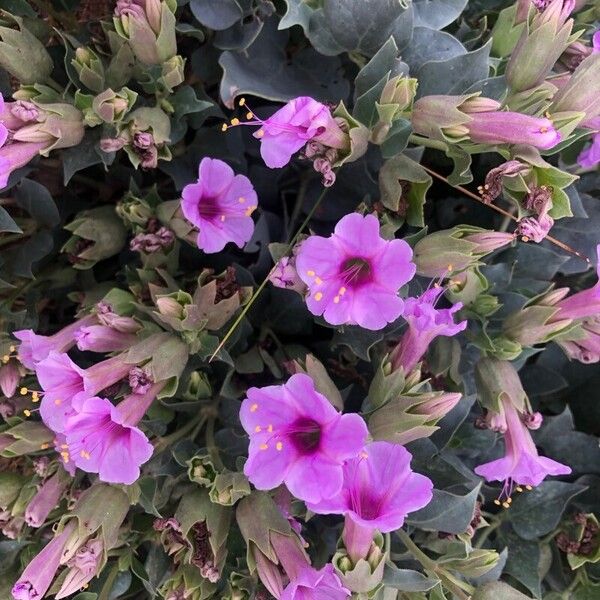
(299, 299)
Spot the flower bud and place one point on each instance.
(22, 54)
(9, 378)
(173, 72)
(498, 379)
(149, 27)
(97, 234)
(169, 306)
(112, 106)
(489, 241)
(89, 68)
(445, 252)
(229, 487)
(485, 305)
(46, 499)
(540, 46)
(134, 210)
(534, 324)
(441, 118)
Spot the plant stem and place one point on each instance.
(211, 446)
(486, 533)
(419, 140)
(165, 442)
(262, 286)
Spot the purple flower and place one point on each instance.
(425, 323)
(300, 121)
(107, 316)
(102, 439)
(298, 438)
(353, 277)
(535, 228)
(60, 445)
(39, 573)
(140, 380)
(34, 347)
(100, 338)
(63, 383)
(504, 127)
(311, 584)
(581, 304)
(590, 157)
(46, 498)
(220, 205)
(379, 490)
(521, 465)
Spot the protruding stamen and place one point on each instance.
(27, 412)
(23, 391)
(260, 133)
(224, 127)
(318, 296)
(242, 101)
(336, 300)
(235, 121)
(254, 407)
(310, 273)
(258, 429)
(279, 446)
(264, 446)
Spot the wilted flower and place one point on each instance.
(492, 187)
(300, 121)
(286, 276)
(535, 228)
(379, 490)
(302, 445)
(107, 316)
(425, 323)
(590, 156)
(353, 277)
(521, 465)
(220, 205)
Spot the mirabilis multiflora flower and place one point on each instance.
(425, 323)
(311, 584)
(298, 438)
(379, 490)
(103, 438)
(353, 277)
(521, 465)
(220, 205)
(300, 121)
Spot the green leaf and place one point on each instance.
(525, 515)
(385, 62)
(216, 15)
(7, 224)
(407, 580)
(437, 13)
(397, 138)
(498, 590)
(454, 75)
(446, 512)
(37, 201)
(428, 45)
(523, 561)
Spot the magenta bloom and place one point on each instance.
(100, 338)
(293, 126)
(102, 440)
(586, 349)
(590, 157)
(503, 127)
(582, 304)
(39, 573)
(311, 584)
(522, 465)
(34, 347)
(298, 438)
(379, 490)
(64, 382)
(220, 205)
(425, 323)
(353, 277)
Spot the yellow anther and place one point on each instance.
(258, 429)
(310, 273)
(235, 121)
(509, 500)
(506, 505)
(270, 428)
(58, 402)
(5, 358)
(66, 460)
(336, 300)
(543, 129)
(249, 115)
(224, 127)
(65, 455)
(222, 217)
(44, 446)
(450, 267)
(27, 412)
(342, 291)
(318, 296)
(519, 488)
(250, 210)
(263, 446)
(64, 446)
(12, 349)
(242, 101)
(279, 446)
(241, 199)
(318, 280)
(364, 455)
(497, 502)
(259, 133)
(254, 407)
(528, 487)
(34, 396)
(525, 238)
(23, 391)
